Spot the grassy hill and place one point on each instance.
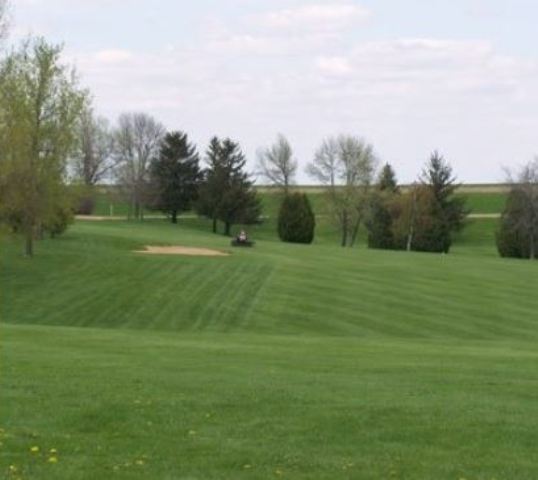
(280, 361)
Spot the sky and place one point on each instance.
(410, 77)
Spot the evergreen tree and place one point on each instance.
(226, 193)
(175, 175)
(379, 223)
(387, 180)
(438, 177)
(380, 220)
(296, 220)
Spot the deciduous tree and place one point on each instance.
(136, 141)
(518, 233)
(346, 166)
(40, 104)
(277, 165)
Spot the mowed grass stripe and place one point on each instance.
(91, 277)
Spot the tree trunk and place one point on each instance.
(29, 247)
(174, 216)
(227, 228)
(344, 229)
(412, 220)
(533, 247)
(356, 231)
(214, 225)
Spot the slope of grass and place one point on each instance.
(91, 277)
(281, 361)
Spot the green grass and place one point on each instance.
(282, 361)
(109, 202)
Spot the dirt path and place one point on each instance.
(484, 215)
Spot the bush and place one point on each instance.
(296, 220)
(86, 205)
(512, 238)
(63, 217)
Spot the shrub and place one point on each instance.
(86, 205)
(513, 238)
(296, 220)
(63, 217)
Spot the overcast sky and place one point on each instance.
(460, 76)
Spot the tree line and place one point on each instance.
(160, 170)
(51, 139)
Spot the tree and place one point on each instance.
(296, 220)
(434, 212)
(346, 166)
(276, 164)
(40, 104)
(380, 219)
(387, 180)
(175, 175)
(226, 193)
(93, 159)
(136, 141)
(417, 223)
(518, 233)
(438, 177)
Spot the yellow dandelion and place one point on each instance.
(247, 466)
(53, 451)
(140, 462)
(53, 460)
(12, 468)
(34, 449)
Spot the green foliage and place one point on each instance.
(379, 222)
(175, 175)
(226, 193)
(448, 208)
(296, 220)
(513, 239)
(58, 223)
(387, 180)
(40, 103)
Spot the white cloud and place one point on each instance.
(339, 66)
(313, 17)
(113, 56)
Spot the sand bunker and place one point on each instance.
(177, 250)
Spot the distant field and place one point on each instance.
(480, 199)
(281, 361)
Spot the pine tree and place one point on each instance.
(387, 180)
(380, 220)
(226, 193)
(438, 177)
(175, 175)
(296, 220)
